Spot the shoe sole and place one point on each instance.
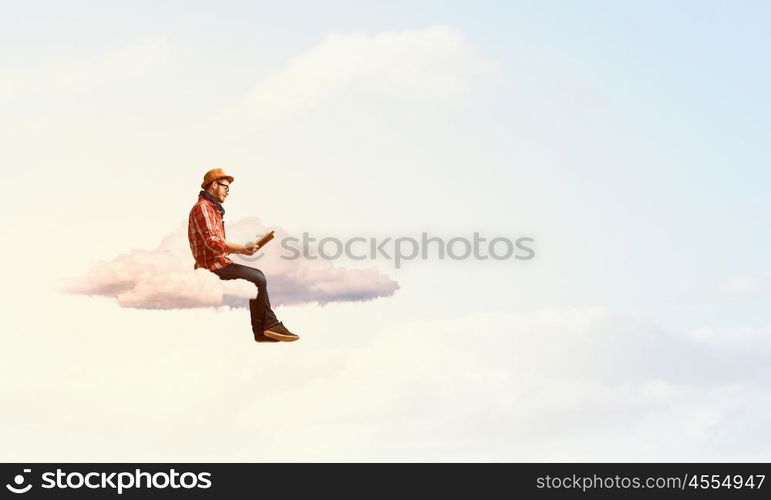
(281, 336)
(267, 341)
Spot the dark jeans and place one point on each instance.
(262, 315)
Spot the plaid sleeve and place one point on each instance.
(205, 224)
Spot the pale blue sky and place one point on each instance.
(629, 139)
(668, 140)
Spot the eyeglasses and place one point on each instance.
(227, 188)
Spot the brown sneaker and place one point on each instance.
(279, 332)
(260, 337)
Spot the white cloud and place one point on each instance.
(436, 63)
(164, 278)
(747, 285)
(743, 337)
(584, 384)
(135, 59)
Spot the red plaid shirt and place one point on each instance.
(206, 234)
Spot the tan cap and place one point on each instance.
(214, 174)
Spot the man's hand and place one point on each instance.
(249, 249)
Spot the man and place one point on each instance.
(206, 233)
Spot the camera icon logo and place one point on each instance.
(19, 480)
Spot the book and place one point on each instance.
(259, 243)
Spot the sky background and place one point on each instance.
(629, 140)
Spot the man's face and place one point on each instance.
(220, 189)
